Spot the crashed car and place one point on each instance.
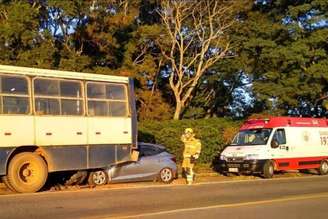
(154, 163)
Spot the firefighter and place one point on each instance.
(192, 148)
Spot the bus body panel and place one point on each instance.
(66, 157)
(115, 130)
(101, 155)
(5, 153)
(16, 129)
(133, 114)
(60, 130)
(74, 157)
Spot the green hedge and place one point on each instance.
(211, 132)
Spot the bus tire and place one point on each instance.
(5, 181)
(323, 169)
(268, 169)
(27, 172)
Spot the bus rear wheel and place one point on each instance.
(5, 181)
(27, 172)
(323, 169)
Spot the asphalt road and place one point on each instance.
(303, 197)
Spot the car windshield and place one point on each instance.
(252, 137)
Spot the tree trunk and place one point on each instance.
(178, 110)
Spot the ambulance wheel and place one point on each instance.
(323, 169)
(268, 169)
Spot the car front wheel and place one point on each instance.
(166, 175)
(98, 178)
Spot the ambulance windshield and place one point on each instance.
(252, 137)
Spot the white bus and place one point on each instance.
(58, 120)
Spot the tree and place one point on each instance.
(195, 37)
(283, 46)
(21, 41)
(143, 59)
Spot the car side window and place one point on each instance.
(148, 150)
(280, 136)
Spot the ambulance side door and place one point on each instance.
(282, 150)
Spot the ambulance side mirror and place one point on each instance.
(274, 143)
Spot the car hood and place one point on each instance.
(242, 151)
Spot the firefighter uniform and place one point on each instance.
(192, 148)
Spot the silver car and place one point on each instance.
(154, 163)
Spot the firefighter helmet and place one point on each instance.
(189, 130)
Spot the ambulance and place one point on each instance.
(263, 146)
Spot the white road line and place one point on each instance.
(291, 198)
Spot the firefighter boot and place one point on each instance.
(190, 177)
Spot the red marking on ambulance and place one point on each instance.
(284, 122)
(299, 163)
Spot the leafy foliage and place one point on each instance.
(213, 133)
(283, 45)
(276, 61)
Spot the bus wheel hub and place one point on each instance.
(27, 172)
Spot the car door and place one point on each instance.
(145, 168)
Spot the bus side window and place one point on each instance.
(47, 106)
(14, 95)
(280, 136)
(58, 97)
(71, 98)
(116, 93)
(106, 99)
(46, 93)
(97, 108)
(118, 108)
(97, 105)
